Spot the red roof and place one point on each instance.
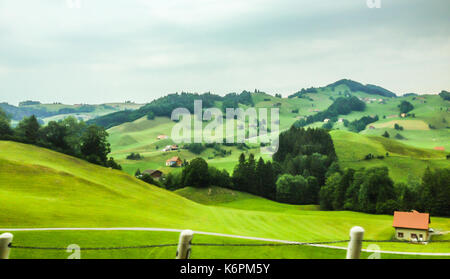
(439, 148)
(411, 220)
(174, 159)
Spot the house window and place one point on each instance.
(400, 234)
(420, 236)
(413, 235)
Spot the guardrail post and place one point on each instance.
(184, 244)
(5, 241)
(355, 244)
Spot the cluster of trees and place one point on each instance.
(341, 106)
(29, 103)
(198, 148)
(398, 127)
(68, 136)
(373, 191)
(232, 100)
(135, 156)
(195, 148)
(371, 156)
(360, 124)
(405, 107)
(445, 95)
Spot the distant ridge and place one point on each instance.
(369, 88)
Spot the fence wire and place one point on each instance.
(215, 245)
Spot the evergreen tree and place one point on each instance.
(137, 173)
(196, 174)
(259, 176)
(28, 129)
(5, 128)
(94, 145)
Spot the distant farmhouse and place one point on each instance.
(171, 148)
(155, 174)
(411, 226)
(174, 162)
(162, 137)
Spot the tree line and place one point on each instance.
(68, 136)
(373, 191)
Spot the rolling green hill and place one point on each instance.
(42, 188)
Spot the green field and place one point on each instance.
(42, 188)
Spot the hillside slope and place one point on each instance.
(403, 161)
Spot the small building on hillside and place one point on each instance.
(162, 137)
(326, 120)
(411, 226)
(440, 148)
(174, 162)
(155, 174)
(171, 148)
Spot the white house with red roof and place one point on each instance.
(411, 226)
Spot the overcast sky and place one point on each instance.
(138, 50)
